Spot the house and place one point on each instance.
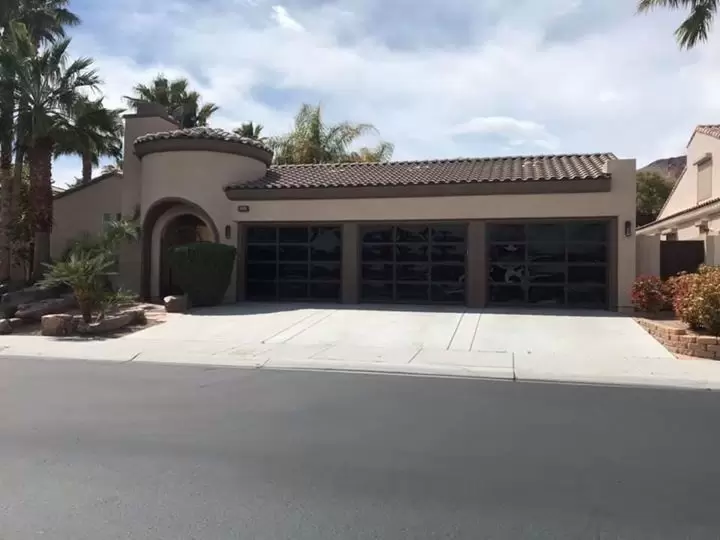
(537, 230)
(692, 212)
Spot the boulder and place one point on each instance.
(5, 327)
(16, 322)
(138, 316)
(108, 324)
(34, 311)
(176, 304)
(29, 295)
(59, 324)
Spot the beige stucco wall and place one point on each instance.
(198, 177)
(135, 126)
(619, 203)
(81, 212)
(685, 194)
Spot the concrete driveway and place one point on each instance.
(587, 347)
(494, 342)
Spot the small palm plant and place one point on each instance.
(84, 273)
(87, 265)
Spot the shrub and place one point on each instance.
(649, 294)
(696, 299)
(202, 270)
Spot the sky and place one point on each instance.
(438, 78)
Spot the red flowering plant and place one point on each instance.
(649, 294)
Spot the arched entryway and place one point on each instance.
(169, 223)
(180, 230)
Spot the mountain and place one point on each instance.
(670, 167)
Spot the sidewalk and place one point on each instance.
(665, 372)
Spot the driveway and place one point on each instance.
(498, 341)
(587, 347)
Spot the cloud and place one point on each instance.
(530, 77)
(516, 132)
(282, 17)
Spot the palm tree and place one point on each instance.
(94, 132)
(250, 130)
(382, 152)
(47, 87)
(313, 141)
(696, 27)
(182, 104)
(36, 21)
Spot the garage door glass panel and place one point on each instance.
(293, 253)
(584, 231)
(412, 272)
(552, 296)
(378, 272)
(325, 271)
(587, 274)
(447, 233)
(411, 252)
(411, 233)
(590, 253)
(262, 253)
(378, 252)
(546, 252)
(586, 296)
(412, 293)
(507, 294)
(507, 252)
(546, 273)
(261, 272)
(377, 234)
(562, 263)
(447, 292)
(376, 292)
(448, 252)
(325, 291)
(447, 272)
(293, 235)
(262, 235)
(281, 263)
(420, 256)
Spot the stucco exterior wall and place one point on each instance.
(82, 211)
(685, 194)
(198, 177)
(619, 202)
(648, 255)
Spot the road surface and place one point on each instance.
(119, 451)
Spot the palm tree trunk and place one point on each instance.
(16, 271)
(6, 184)
(41, 201)
(86, 168)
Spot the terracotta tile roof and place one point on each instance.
(202, 133)
(709, 129)
(441, 171)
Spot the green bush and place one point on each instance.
(202, 270)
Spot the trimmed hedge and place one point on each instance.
(202, 270)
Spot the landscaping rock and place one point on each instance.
(29, 295)
(35, 310)
(16, 322)
(176, 304)
(107, 325)
(138, 316)
(5, 327)
(59, 324)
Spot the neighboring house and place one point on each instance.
(692, 212)
(537, 230)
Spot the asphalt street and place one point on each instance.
(94, 451)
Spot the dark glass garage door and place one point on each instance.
(562, 264)
(294, 263)
(413, 263)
